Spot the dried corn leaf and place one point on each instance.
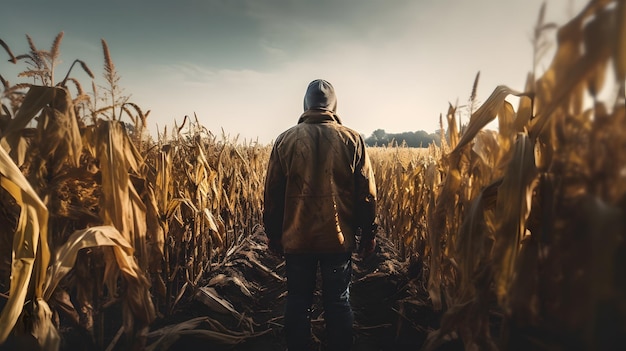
(599, 41)
(140, 226)
(37, 98)
(217, 231)
(562, 85)
(487, 148)
(525, 107)
(222, 280)
(523, 298)
(217, 335)
(485, 114)
(475, 239)
(30, 243)
(121, 206)
(453, 128)
(513, 208)
(57, 122)
(164, 178)
(252, 259)
(442, 211)
(170, 334)
(137, 295)
(506, 125)
(59, 136)
(37, 321)
(215, 302)
(156, 227)
(115, 179)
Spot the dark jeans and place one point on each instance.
(336, 272)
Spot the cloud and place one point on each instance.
(373, 92)
(302, 27)
(244, 64)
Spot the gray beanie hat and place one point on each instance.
(320, 95)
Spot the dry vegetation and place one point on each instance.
(112, 240)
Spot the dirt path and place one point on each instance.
(242, 304)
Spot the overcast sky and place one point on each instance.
(244, 65)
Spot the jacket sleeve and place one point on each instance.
(365, 195)
(274, 198)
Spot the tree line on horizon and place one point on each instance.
(418, 138)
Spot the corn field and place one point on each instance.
(510, 240)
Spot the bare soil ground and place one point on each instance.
(389, 299)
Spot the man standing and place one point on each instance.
(319, 193)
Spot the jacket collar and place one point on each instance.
(318, 116)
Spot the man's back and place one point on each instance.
(319, 158)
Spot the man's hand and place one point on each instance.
(366, 248)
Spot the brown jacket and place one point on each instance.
(320, 187)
